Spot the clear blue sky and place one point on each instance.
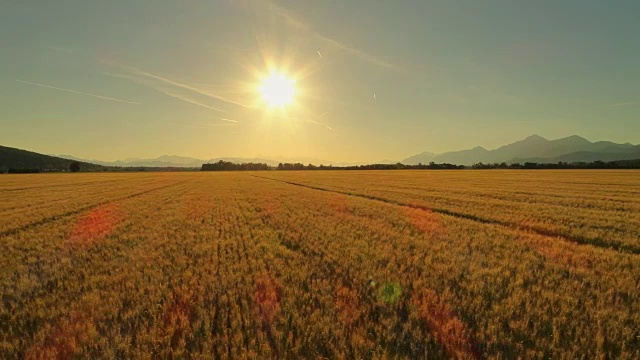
(140, 78)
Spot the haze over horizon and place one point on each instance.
(534, 138)
(120, 80)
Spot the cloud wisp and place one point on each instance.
(361, 54)
(78, 92)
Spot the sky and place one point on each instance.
(374, 80)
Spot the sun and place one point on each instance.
(278, 90)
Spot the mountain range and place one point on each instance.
(531, 149)
(535, 148)
(183, 161)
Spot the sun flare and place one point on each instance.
(278, 90)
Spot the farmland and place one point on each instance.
(334, 264)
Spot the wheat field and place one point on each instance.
(321, 264)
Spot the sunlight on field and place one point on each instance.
(333, 264)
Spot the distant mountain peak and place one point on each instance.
(429, 153)
(573, 138)
(574, 141)
(535, 137)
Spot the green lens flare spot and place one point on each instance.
(390, 292)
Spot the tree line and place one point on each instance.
(619, 164)
(397, 166)
(229, 166)
(74, 166)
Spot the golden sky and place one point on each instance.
(350, 81)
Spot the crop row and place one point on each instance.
(31, 203)
(597, 207)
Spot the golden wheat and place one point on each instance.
(343, 265)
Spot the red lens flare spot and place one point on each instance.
(96, 224)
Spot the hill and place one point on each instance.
(23, 159)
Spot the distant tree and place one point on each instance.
(229, 166)
(74, 166)
(23, 171)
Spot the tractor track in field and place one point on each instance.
(580, 240)
(52, 218)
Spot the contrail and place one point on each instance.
(229, 120)
(205, 126)
(78, 92)
(60, 49)
(188, 99)
(302, 118)
(318, 123)
(163, 90)
(622, 104)
(363, 55)
(165, 80)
